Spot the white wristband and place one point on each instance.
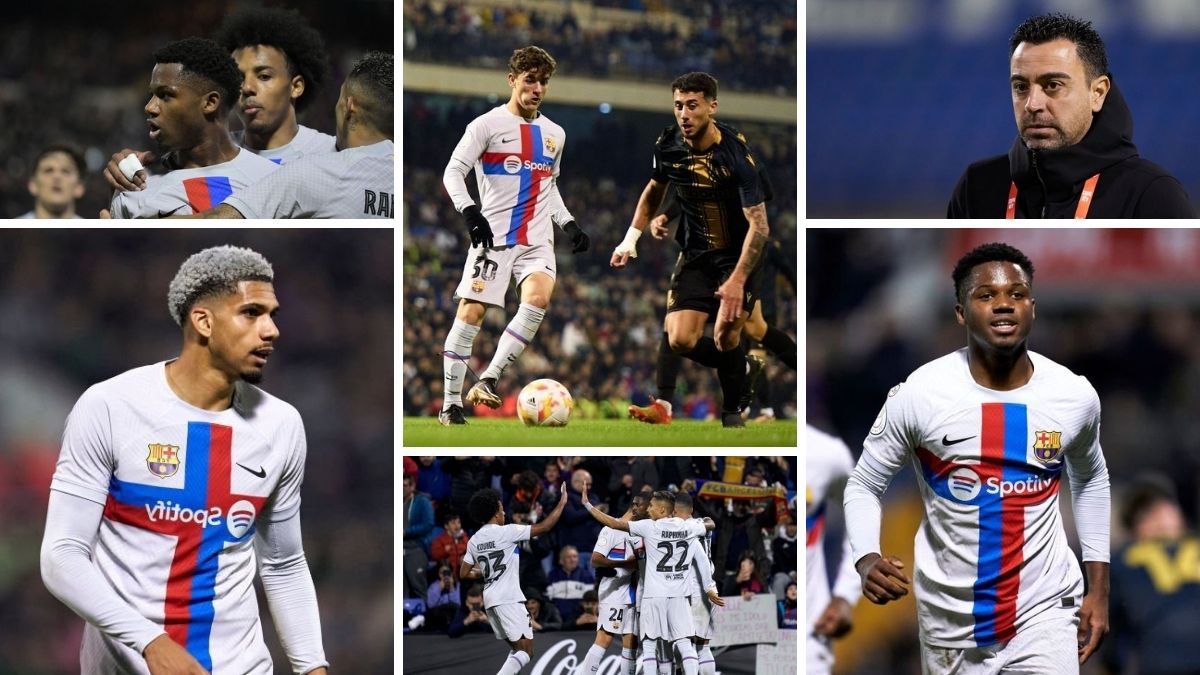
(629, 243)
(129, 166)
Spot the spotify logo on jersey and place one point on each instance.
(964, 484)
(512, 164)
(241, 518)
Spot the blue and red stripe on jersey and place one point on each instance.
(192, 580)
(205, 192)
(531, 180)
(814, 525)
(1004, 446)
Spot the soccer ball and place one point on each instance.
(545, 403)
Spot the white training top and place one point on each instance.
(184, 492)
(991, 552)
(305, 142)
(516, 169)
(494, 548)
(618, 545)
(668, 552)
(353, 183)
(186, 191)
(827, 464)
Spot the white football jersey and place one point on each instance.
(700, 546)
(516, 168)
(991, 552)
(495, 549)
(827, 464)
(668, 559)
(186, 191)
(353, 183)
(618, 545)
(183, 491)
(306, 142)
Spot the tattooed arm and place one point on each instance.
(732, 292)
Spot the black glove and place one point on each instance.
(478, 227)
(579, 240)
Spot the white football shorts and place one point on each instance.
(487, 271)
(666, 618)
(702, 616)
(617, 618)
(510, 621)
(1046, 647)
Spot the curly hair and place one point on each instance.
(372, 75)
(484, 505)
(214, 271)
(1045, 28)
(289, 32)
(699, 82)
(204, 59)
(532, 58)
(985, 253)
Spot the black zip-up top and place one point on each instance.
(1049, 183)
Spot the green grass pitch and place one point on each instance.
(490, 432)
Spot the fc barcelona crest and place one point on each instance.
(163, 460)
(551, 146)
(1047, 445)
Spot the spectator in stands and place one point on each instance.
(569, 581)
(418, 524)
(451, 545)
(528, 490)
(469, 475)
(577, 527)
(59, 173)
(739, 532)
(433, 481)
(748, 580)
(471, 617)
(784, 554)
(533, 551)
(543, 615)
(589, 608)
(787, 608)
(443, 600)
(754, 477)
(551, 477)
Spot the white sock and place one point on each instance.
(708, 662)
(517, 335)
(649, 656)
(666, 658)
(514, 663)
(591, 661)
(454, 368)
(628, 662)
(687, 654)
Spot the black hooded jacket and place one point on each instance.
(1049, 183)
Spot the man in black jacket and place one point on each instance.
(1074, 154)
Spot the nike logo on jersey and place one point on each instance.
(507, 140)
(162, 214)
(947, 442)
(261, 473)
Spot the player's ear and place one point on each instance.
(960, 315)
(201, 320)
(33, 188)
(212, 103)
(298, 87)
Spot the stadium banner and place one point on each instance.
(742, 622)
(554, 653)
(779, 658)
(713, 489)
(1071, 257)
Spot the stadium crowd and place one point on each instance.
(601, 334)
(754, 544)
(92, 304)
(752, 45)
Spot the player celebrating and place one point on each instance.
(990, 429)
(57, 182)
(723, 234)
(516, 153)
(615, 558)
(665, 615)
(494, 549)
(357, 181)
(827, 465)
(700, 583)
(192, 89)
(175, 481)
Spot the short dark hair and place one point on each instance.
(484, 505)
(1041, 29)
(702, 82)
(75, 155)
(1145, 493)
(475, 591)
(590, 596)
(528, 480)
(289, 32)
(985, 253)
(450, 515)
(664, 496)
(683, 499)
(372, 75)
(532, 58)
(206, 60)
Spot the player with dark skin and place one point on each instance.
(636, 511)
(997, 309)
(184, 117)
(267, 107)
(469, 571)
